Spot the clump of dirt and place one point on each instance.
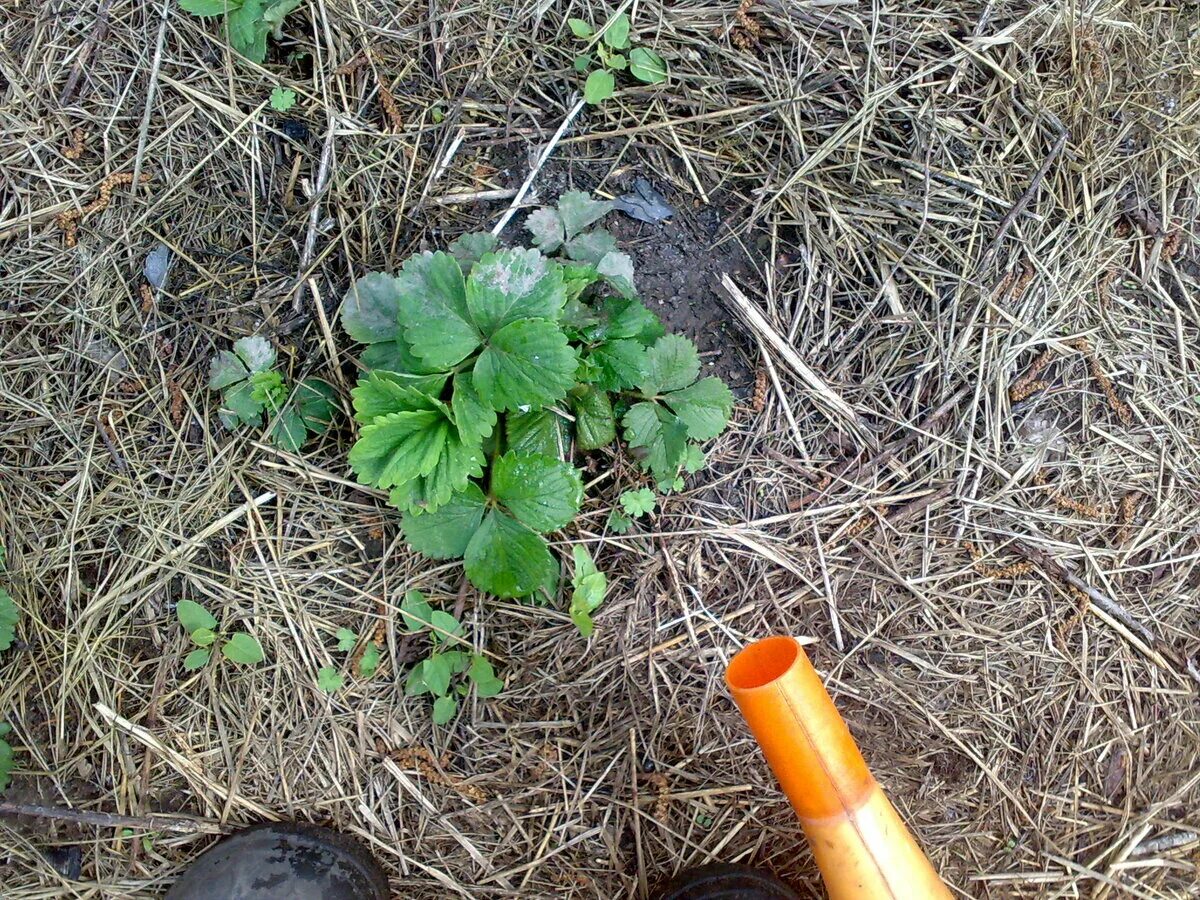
(678, 265)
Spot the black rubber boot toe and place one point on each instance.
(722, 881)
(283, 860)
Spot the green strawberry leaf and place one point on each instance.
(433, 309)
(578, 210)
(247, 30)
(346, 639)
(539, 431)
(287, 431)
(631, 319)
(444, 709)
(703, 407)
(659, 438)
(511, 285)
(671, 364)
(617, 269)
(474, 418)
(595, 426)
(577, 279)
(239, 405)
(542, 492)
(9, 616)
(371, 309)
(445, 532)
(193, 616)
(508, 559)
(382, 393)
(546, 227)
(639, 502)
(395, 356)
(242, 648)
(329, 679)
(399, 447)
(460, 462)
(415, 611)
(316, 402)
(693, 459)
(620, 364)
(471, 247)
(526, 363)
(591, 246)
(282, 99)
(209, 8)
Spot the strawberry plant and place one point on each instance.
(247, 22)
(487, 372)
(251, 388)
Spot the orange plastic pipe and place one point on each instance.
(860, 844)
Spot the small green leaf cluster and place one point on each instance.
(237, 647)
(6, 756)
(251, 388)
(9, 616)
(440, 673)
(486, 369)
(330, 680)
(247, 22)
(282, 99)
(642, 63)
(589, 587)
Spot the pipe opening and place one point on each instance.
(761, 663)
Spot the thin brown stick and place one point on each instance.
(175, 824)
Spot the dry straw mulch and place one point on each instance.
(975, 232)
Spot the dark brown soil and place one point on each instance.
(677, 264)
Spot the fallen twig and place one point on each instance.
(176, 824)
(549, 148)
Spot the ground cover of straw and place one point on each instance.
(937, 198)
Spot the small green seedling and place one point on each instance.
(436, 674)
(590, 586)
(247, 22)
(643, 64)
(638, 503)
(282, 99)
(330, 680)
(238, 647)
(487, 371)
(251, 388)
(6, 757)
